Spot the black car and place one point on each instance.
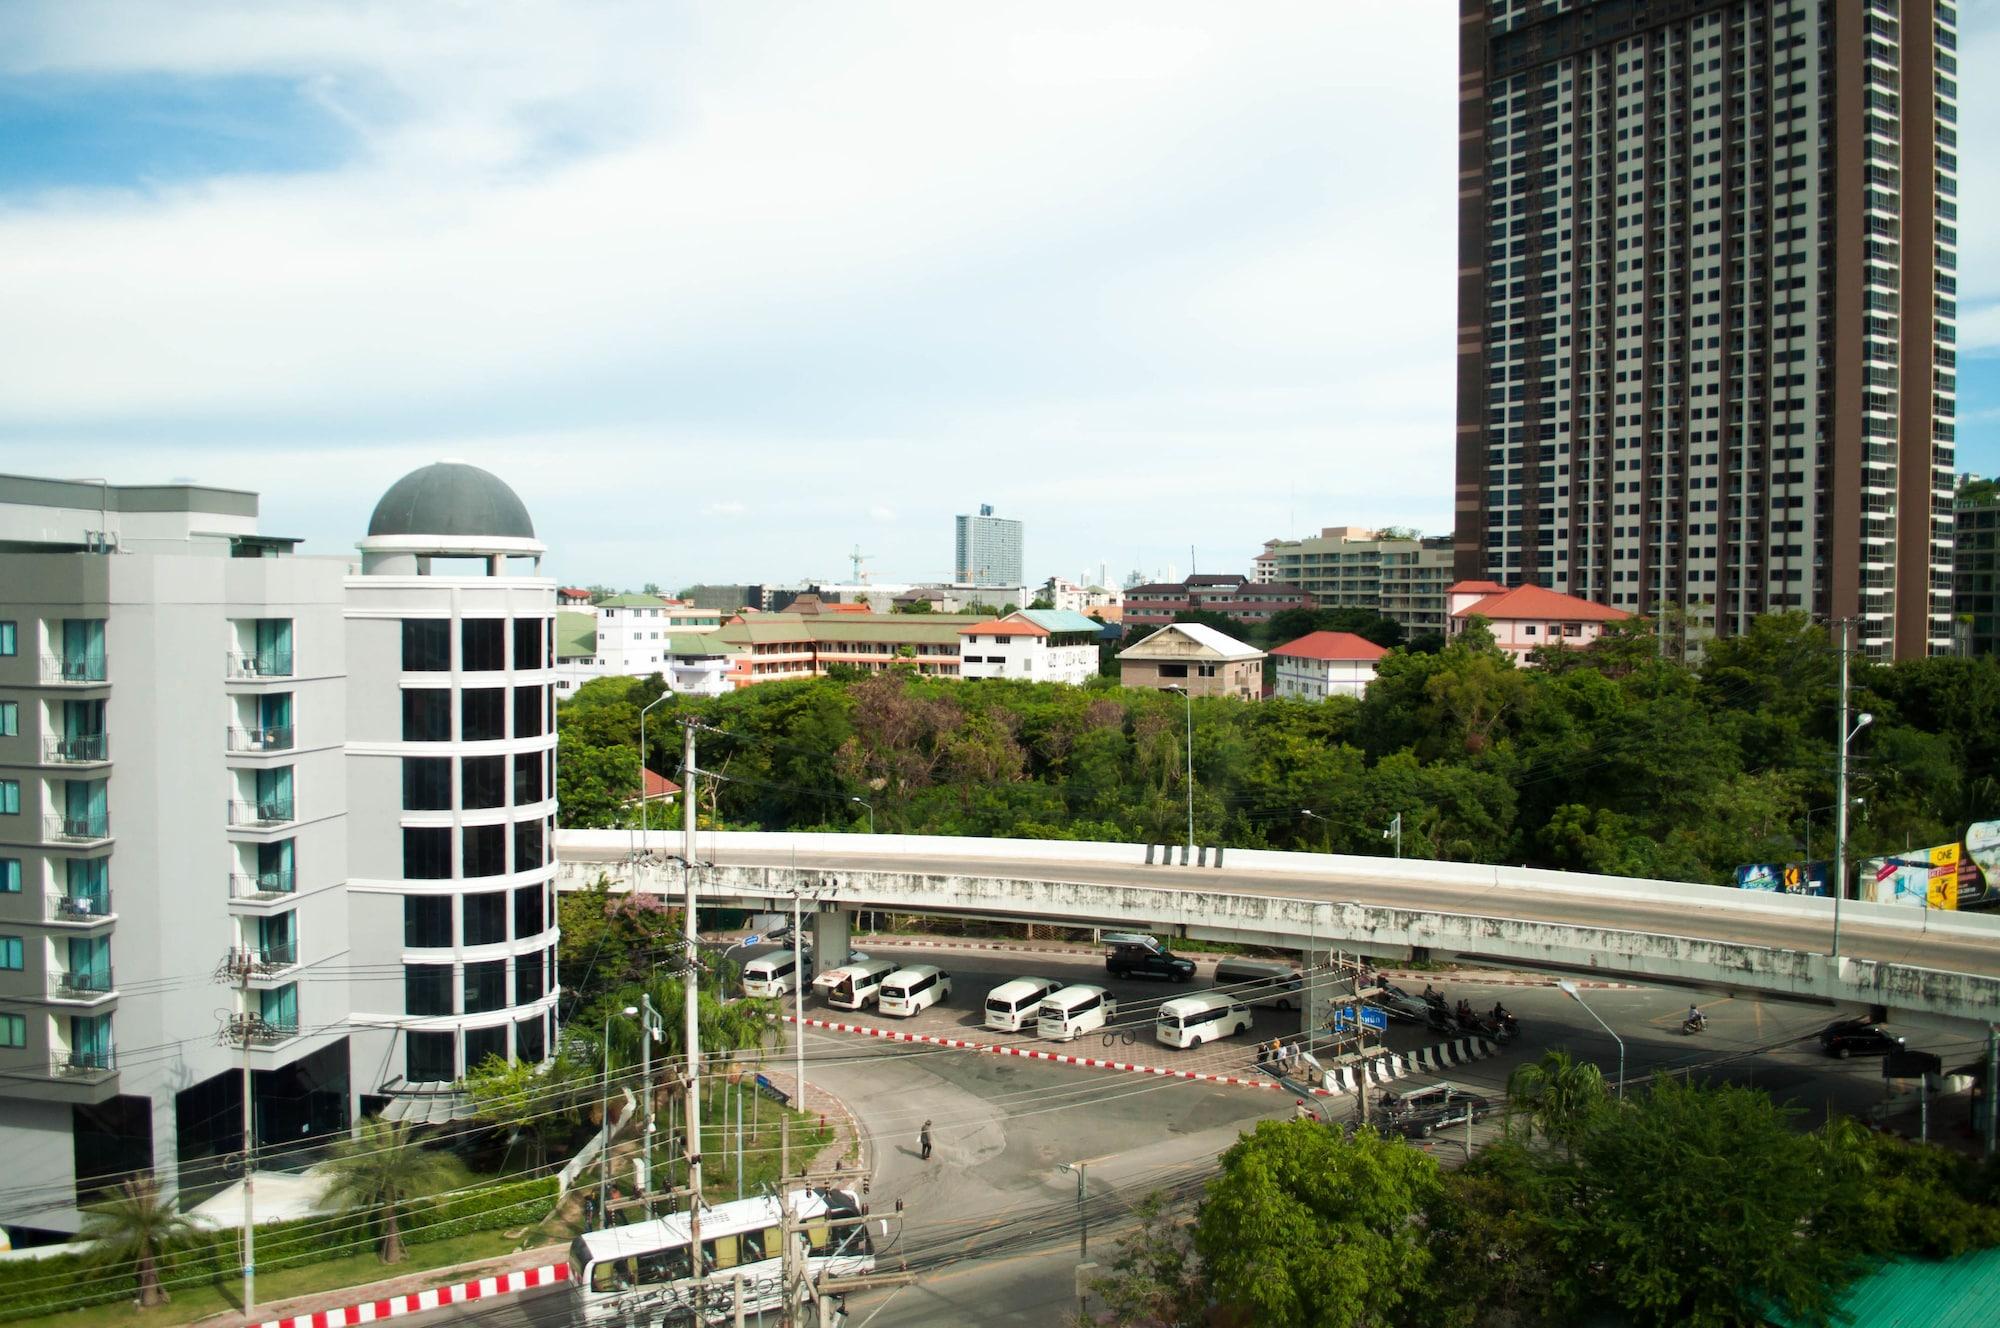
(1129, 955)
(1417, 1114)
(1857, 1037)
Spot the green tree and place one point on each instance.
(913, 606)
(1306, 1229)
(133, 1229)
(1155, 1280)
(381, 1174)
(1562, 1096)
(532, 1103)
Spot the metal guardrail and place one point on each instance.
(79, 908)
(76, 829)
(263, 885)
(252, 667)
(85, 747)
(83, 670)
(266, 812)
(82, 1064)
(83, 986)
(276, 738)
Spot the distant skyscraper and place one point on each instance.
(989, 550)
(1707, 307)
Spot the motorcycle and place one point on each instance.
(1696, 1024)
(1510, 1027)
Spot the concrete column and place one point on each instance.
(1316, 992)
(832, 931)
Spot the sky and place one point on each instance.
(727, 291)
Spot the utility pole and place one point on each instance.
(691, 990)
(237, 967)
(1992, 1082)
(1862, 721)
(650, 1029)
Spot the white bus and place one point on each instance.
(1012, 1006)
(854, 985)
(910, 990)
(1189, 1021)
(1073, 1011)
(640, 1273)
(775, 974)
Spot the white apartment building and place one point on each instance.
(636, 636)
(1069, 597)
(1323, 664)
(1034, 645)
(987, 551)
(201, 827)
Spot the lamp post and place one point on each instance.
(1569, 989)
(642, 774)
(1082, 1231)
(604, 1110)
(1188, 695)
(1312, 815)
(871, 812)
(652, 1028)
(1862, 721)
(1395, 831)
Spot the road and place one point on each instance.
(990, 1223)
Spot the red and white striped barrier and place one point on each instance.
(418, 1302)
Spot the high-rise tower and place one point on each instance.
(1707, 307)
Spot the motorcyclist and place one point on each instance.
(1501, 1014)
(1695, 1018)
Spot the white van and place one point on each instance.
(1012, 1006)
(1189, 1021)
(1260, 982)
(853, 986)
(1075, 1010)
(775, 974)
(918, 987)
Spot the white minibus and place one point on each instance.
(1012, 1006)
(918, 987)
(1259, 982)
(854, 985)
(774, 974)
(1189, 1021)
(1073, 1011)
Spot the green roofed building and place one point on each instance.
(1921, 1293)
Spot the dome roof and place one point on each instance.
(454, 500)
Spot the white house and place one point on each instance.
(1527, 618)
(1323, 664)
(636, 636)
(1074, 598)
(1036, 645)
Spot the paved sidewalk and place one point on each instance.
(406, 1283)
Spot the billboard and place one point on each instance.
(1979, 869)
(1792, 878)
(1924, 878)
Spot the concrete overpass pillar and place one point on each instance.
(1316, 992)
(832, 932)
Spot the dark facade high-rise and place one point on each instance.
(1707, 308)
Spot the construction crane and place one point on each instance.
(857, 558)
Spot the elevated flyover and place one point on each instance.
(1901, 958)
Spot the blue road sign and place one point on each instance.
(1371, 1018)
(752, 939)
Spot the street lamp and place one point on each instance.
(1312, 815)
(1082, 1231)
(1395, 831)
(1862, 721)
(1189, 696)
(642, 774)
(1569, 989)
(604, 1111)
(871, 812)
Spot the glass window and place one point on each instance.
(426, 714)
(426, 783)
(528, 1044)
(528, 985)
(486, 986)
(426, 645)
(275, 868)
(10, 641)
(10, 719)
(528, 853)
(486, 918)
(482, 781)
(10, 952)
(83, 650)
(482, 645)
(87, 886)
(10, 877)
(280, 1008)
(427, 989)
(483, 714)
(426, 852)
(527, 712)
(10, 797)
(274, 794)
(273, 646)
(482, 1044)
(1173, 670)
(527, 779)
(428, 1059)
(427, 922)
(527, 643)
(485, 851)
(14, 1029)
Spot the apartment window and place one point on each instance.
(10, 640)
(482, 714)
(275, 869)
(484, 1044)
(486, 987)
(426, 783)
(427, 852)
(527, 779)
(427, 922)
(1173, 670)
(486, 918)
(482, 645)
(527, 712)
(14, 1032)
(280, 1008)
(427, 989)
(528, 911)
(274, 794)
(485, 850)
(527, 644)
(10, 719)
(10, 797)
(271, 646)
(10, 877)
(482, 781)
(428, 1058)
(528, 1045)
(426, 645)
(426, 714)
(528, 985)
(10, 952)
(528, 847)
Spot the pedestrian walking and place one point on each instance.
(924, 1141)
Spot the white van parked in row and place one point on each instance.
(918, 987)
(854, 985)
(1073, 1011)
(1189, 1021)
(776, 973)
(1012, 1006)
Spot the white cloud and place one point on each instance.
(879, 512)
(726, 507)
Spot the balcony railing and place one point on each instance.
(261, 813)
(262, 885)
(82, 1064)
(269, 664)
(83, 669)
(270, 958)
(79, 908)
(83, 748)
(78, 829)
(277, 738)
(87, 984)
(263, 1033)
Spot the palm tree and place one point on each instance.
(136, 1228)
(379, 1172)
(1560, 1095)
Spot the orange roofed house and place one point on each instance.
(1527, 617)
(1323, 664)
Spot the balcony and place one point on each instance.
(77, 829)
(77, 670)
(83, 910)
(260, 815)
(84, 749)
(83, 1066)
(270, 958)
(263, 886)
(262, 1032)
(87, 985)
(251, 668)
(274, 739)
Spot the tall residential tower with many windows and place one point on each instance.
(1707, 303)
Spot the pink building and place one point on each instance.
(1527, 617)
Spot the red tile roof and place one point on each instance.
(659, 786)
(1538, 604)
(1475, 587)
(1003, 627)
(1331, 646)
